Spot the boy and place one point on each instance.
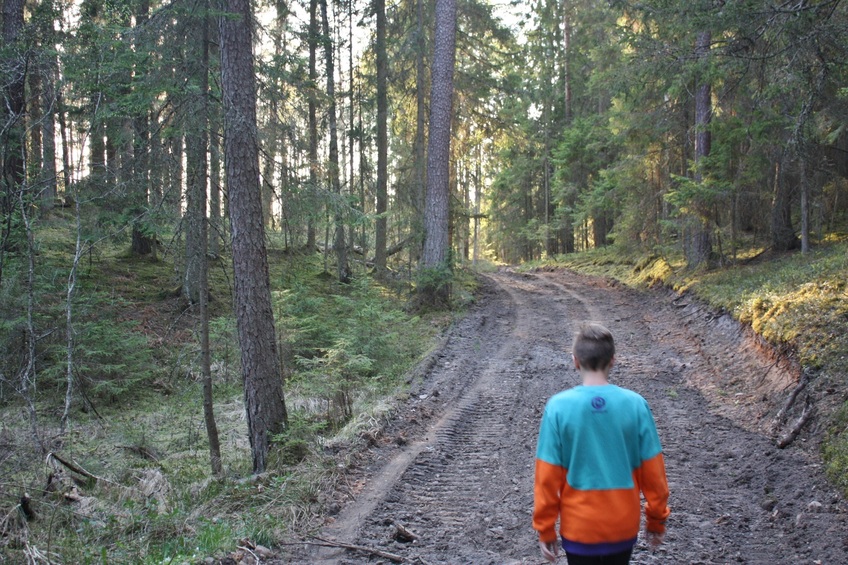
(598, 448)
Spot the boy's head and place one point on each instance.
(594, 347)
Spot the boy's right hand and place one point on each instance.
(549, 551)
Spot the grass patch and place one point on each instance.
(835, 449)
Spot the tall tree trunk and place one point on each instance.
(35, 117)
(194, 221)
(312, 40)
(28, 371)
(66, 145)
(215, 226)
(174, 189)
(112, 164)
(269, 168)
(419, 147)
(783, 236)
(805, 201)
(143, 242)
(339, 243)
(48, 133)
(363, 240)
(547, 119)
(382, 138)
(69, 316)
(205, 353)
(435, 262)
(13, 141)
(97, 154)
(697, 240)
(566, 61)
(215, 158)
(263, 387)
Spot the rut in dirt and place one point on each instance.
(454, 470)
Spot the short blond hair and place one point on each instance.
(594, 347)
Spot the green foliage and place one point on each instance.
(434, 285)
(344, 344)
(112, 357)
(835, 449)
(298, 440)
(690, 197)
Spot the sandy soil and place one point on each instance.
(454, 469)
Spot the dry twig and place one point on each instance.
(394, 558)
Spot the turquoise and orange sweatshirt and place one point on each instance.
(598, 448)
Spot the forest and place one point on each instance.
(230, 231)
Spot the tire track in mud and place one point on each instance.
(462, 477)
(454, 481)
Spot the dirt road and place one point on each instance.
(455, 467)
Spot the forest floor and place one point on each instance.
(450, 478)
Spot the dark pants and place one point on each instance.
(622, 558)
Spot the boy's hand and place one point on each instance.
(549, 551)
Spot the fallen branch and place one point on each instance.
(805, 416)
(781, 414)
(394, 249)
(394, 558)
(74, 467)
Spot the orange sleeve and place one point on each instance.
(549, 482)
(654, 485)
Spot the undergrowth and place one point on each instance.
(137, 420)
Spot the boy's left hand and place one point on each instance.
(549, 551)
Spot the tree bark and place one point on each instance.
(215, 227)
(48, 132)
(263, 390)
(783, 236)
(28, 371)
(419, 147)
(269, 170)
(205, 353)
(143, 242)
(14, 105)
(194, 220)
(435, 262)
(339, 243)
(566, 62)
(35, 118)
(69, 316)
(697, 240)
(382, 137)
(312, 40)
